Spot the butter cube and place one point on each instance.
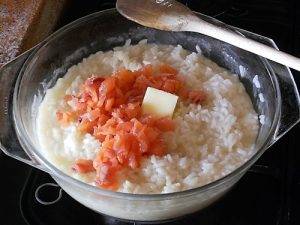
(159, 103)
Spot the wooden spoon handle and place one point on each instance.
(244, 43)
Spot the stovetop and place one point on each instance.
(267, 195)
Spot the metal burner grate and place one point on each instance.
(243, 205)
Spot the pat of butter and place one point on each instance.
(159, 103)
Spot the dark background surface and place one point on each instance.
(269, 194)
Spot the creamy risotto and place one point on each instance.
(210, 140)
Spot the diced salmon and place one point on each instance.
(94, 81)
(165, 124)
(109, 104)
(158, 148)
(137, 126)
(146, 70)
(93, 114)
(87, 126)
(102, 119)
(124, 126)
(126, 79)
(106, 176)
(64, 118)
(83, 166)
(164, 68)
(133, 110)
(109, 108)
(141, 83)
(196, 96)
(108, 85)
(151, 133)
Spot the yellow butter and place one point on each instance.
(159, 103)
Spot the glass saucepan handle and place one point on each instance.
(290, 100)
(9, 142)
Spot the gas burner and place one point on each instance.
(41, 199)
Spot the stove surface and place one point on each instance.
(267, 195)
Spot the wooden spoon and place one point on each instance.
(173, 16)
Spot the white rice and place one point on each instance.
(209, 142)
